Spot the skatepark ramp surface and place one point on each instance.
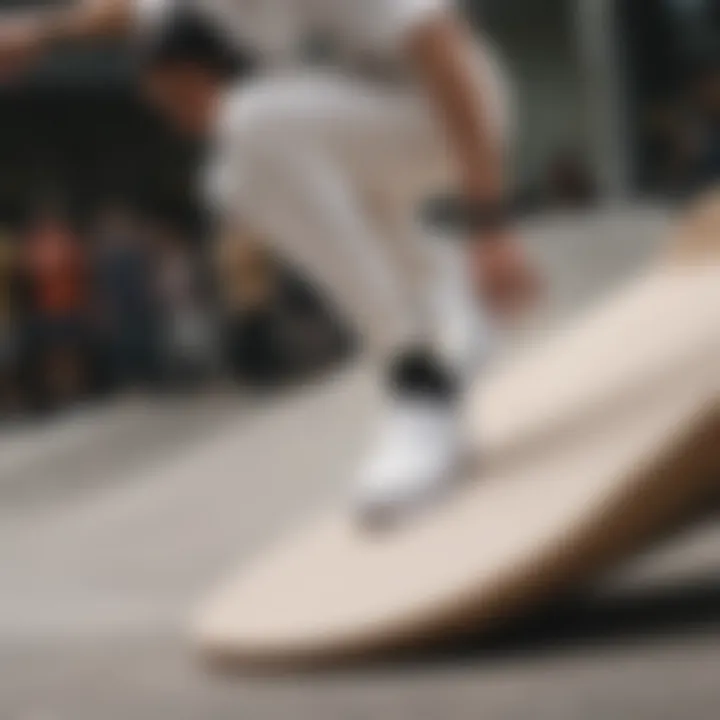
(586, 445)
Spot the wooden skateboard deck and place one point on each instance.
(588, 445)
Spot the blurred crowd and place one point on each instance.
(129, 303)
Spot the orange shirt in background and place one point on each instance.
(57, 270)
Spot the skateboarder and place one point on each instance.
(330, 161)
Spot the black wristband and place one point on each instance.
(457, 214)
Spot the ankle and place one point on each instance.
(420, 373)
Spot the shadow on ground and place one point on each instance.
(662, 610)
(581, 623)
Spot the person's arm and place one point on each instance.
(445, 56)
(27, 35)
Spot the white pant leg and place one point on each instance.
(436, 271)
(312, 155)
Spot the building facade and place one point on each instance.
(592, 76)
(589, 77)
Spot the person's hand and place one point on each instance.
(504, 277)
(21, 44)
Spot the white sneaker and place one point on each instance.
(414, 462)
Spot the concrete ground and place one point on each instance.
(115, 522)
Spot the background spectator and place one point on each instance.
(56, 268)
(249, 288)
(124, 306)
(185, 327)
(9, 324)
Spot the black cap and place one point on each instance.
(185, 36)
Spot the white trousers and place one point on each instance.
(331, 171)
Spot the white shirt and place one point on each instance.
(276, 29)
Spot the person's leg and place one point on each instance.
(67, 360)
(330, 170)
(418, 447)
(7, 366)
(307, 150)
(439, 283)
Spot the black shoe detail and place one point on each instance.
(418, 373)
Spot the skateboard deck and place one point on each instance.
(588, 446)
